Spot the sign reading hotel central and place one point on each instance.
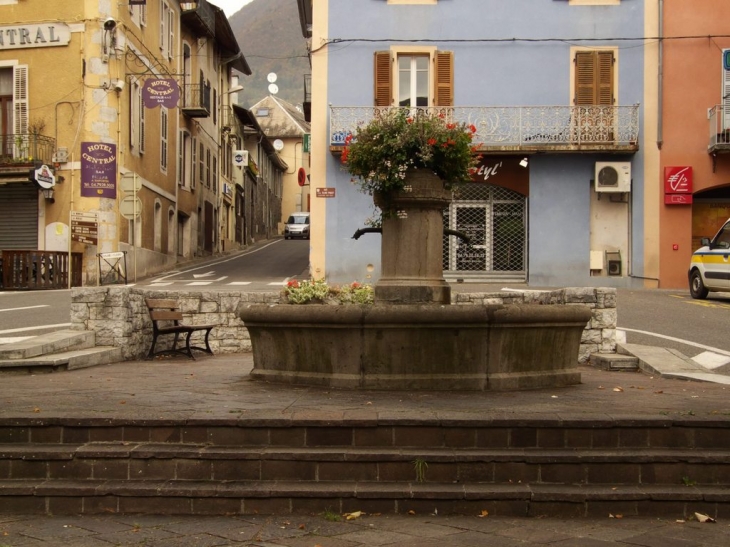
(42, 35)
(98, 170)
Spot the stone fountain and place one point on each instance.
(412, 338)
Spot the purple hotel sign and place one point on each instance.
(98, 170)
(157, 92)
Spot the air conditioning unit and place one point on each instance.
(613, 176)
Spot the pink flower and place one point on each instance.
(293, 284)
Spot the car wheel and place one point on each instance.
(697, 288)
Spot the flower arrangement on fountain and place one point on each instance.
(380, 153)
(318, 291)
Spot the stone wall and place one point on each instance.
(120, 318)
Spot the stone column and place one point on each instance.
(412, 242)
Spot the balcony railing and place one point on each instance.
(196, 100)
(521, 128)
(21, 150)
(719, 130)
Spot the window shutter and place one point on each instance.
(594, 78)
(604, 62)
(133, 110)
(20, 99)
(584, 78)
(171, 33)
(162, 25)
(383, 78)
(193, 162)
(140, 102)
(444, 72)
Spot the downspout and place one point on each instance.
(660, 91)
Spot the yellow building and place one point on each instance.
(115, 108)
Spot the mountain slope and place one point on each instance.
(270, 37)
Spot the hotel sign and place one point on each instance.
(34, 35)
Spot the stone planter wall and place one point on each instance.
(119, 316)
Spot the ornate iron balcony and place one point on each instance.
(520, 128)
(196, 100)
(23, 149)
(719, 130)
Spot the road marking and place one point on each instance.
(240, 283)
(11, 339)
(27, 308)
(206, 274)
(680, 340)
(40, 327)
(197, 283)
(222, 261)
(277, 283)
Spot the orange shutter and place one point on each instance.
(444, 72)
(383, 78)
(594, 78)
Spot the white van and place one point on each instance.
(297, 225)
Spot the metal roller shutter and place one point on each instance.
(18, 216)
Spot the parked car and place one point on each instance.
(297, 225)
(709, 269)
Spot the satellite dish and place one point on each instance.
(273, 89)
(271, 77)
(278, 144)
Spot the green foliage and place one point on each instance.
(330, 516)
(420, 465)
(317, 290)
(380, 153)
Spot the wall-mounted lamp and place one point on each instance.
(48, 194)
(524, 162)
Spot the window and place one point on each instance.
(193, 159)
(167, 30)
(201, 164)
(420, 78)
(183, 169)
(215, 173)
(170, 33)
(163, 139)
(207, 167)
(594, 78)
(136, 118)
(139, 14)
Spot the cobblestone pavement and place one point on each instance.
(367, 530)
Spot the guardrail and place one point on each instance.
(23, 149)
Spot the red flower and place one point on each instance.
(450, 125)
(431, 141)
(473, 128)
(293, 284)
(409, 120)
(345, 153)
(355, 285)
(442, 115)
(348, 139)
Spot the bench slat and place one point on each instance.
(165, 315)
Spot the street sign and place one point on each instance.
(325, 192)
(130, 183)
(84, 231)
(307, 143)
(130, 207)
(84, 216)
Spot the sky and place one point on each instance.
(230, 6)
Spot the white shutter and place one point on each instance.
(170, 33)
(162, 25)
(133, 109)
(163, 138)
(193, 163)
(20, 99)
(725, 94)
(141, 120)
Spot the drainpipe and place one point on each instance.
(660, 94)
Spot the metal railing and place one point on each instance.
(719, 129)
(517, 127)
(196, 97)
(38, 270)
(25, 148)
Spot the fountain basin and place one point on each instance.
(416, 346)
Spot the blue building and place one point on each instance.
(563, 95)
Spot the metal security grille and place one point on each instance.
(495, 220)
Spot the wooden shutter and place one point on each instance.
(444, 78)
(594, 78)
(383, 78)
(20, 99)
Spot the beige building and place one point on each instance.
(284, 123)
(117, 109)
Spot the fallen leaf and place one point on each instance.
(355, 515)
(659, 392)
(375, 514)
(553, 396)
(122, 402)
(680, 521)
(483, 514)
(617, 388)
(411, 512)
(302, 526)
(703, 518)
(36, 409)
(601, 387)
(369, 403)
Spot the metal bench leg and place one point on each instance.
(151, 353)
(187, 345)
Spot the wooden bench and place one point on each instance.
(166, 317)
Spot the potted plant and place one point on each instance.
(397, 142)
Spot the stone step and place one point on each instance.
(42, 496)
(53, 342)
(63, 360)
(689, 432)
(154, 461)
(615, 362)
